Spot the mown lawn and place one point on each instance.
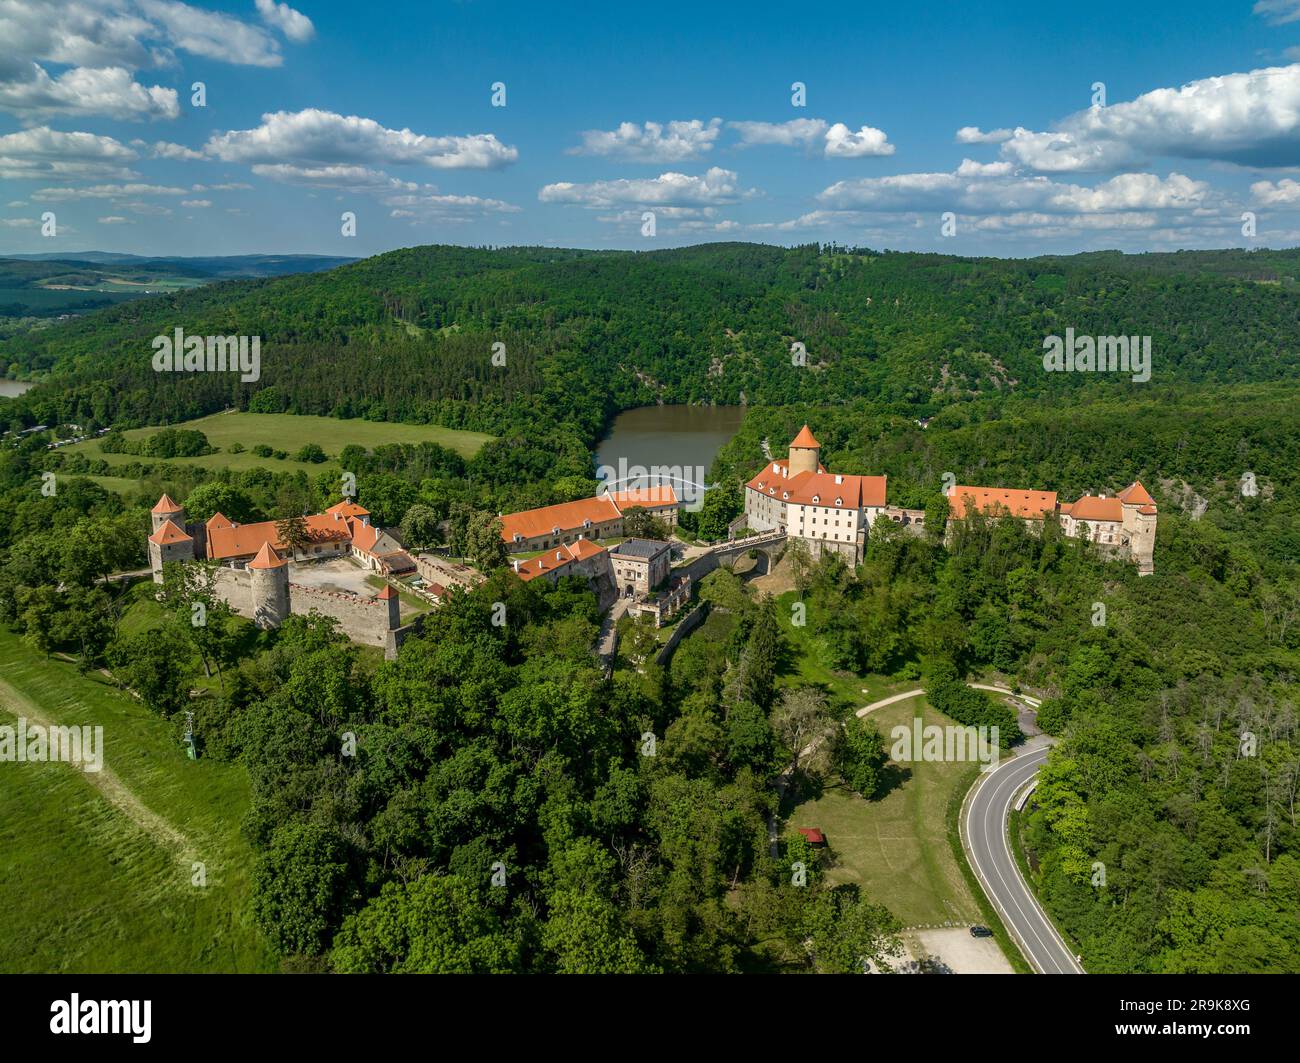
(85, 887)
(894, 847)
(289, 432)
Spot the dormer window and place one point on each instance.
(816, 499)
(518, 538)
(839, 501)
(785, 494)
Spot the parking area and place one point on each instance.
(944, 950)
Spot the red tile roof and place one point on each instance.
(244, 540)
(169, 533)
(584, 548)
(348, 508)
(659, 495)
(218, 520)
(805, 439)
(165, 505)
(1136, 495)
(267, 558)
(1095, 508)
(567, 516)
(814, 836)
(1031, 505)
(386, 593)
(854, 492)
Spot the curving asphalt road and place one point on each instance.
(984, 831)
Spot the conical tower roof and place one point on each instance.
(805, 439)
(267, 558)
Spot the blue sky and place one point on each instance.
(680, 110)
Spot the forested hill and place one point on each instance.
(408, 335)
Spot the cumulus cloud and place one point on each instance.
(844, 143)
(1283, 193)
(1009, 195)
(970, 134)
(163, 149)
(315, 137)
(32, 95)
(677, 141)
(836, 141)
(716, 186)
(971, 168)
(46, 153)
(103, 42)
(1252, 119)
(196, 202)
(211, 34)
(115, 219)
(293, 24)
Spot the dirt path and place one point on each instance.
(110, 787)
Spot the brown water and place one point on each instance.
(666, 444)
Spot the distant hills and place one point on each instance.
(409, 335)
(54, 284)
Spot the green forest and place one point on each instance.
(485, 802)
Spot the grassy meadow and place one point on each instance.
(97, 869)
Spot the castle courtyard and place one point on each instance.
(339, 574)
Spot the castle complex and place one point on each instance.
(253, 577)
(833, 513)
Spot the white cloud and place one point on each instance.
(57, 195)
(346, 178)
(163, 149)
(1006, 194)
(1278, 12)
(213, 35)
(196, 202)
(971, 168)
(44, 153)
(293, 24)
(115, 219)
(970, 134)
(836, 141)
(668, 189)
(1285, 192)
(33, 95)
(677, 141)
(429, 205)
(315, 137)
(1251, 119)
(76, 33)
(798, 132)
(18, 223)
(843, 143)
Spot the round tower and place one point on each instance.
(269, 576)
(167, 510)
(393, 604)
(805, 452)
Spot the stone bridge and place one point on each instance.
(769, 543)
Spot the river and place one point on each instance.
(666, 444)
(11, 389)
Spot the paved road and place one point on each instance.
(984, 831)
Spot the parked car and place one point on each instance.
(980, 932)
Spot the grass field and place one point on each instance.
(896, 847)
(289, 432)
(96, 870)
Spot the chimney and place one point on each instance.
(839, 479)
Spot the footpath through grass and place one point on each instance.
(92, 876)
